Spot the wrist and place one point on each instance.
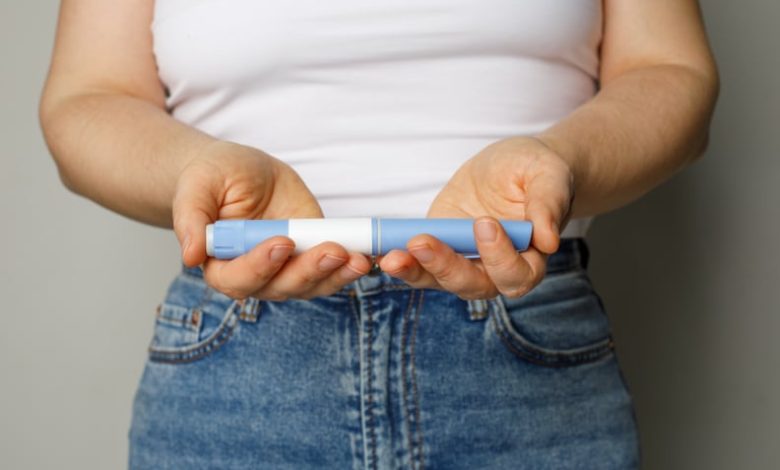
(571, 155)
(226, 157)
(565, 150)
(200, 149)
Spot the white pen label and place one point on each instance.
(353, 233)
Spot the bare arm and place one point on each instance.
(103, 111)
(652, 114)
(650, 118)
(104, 119)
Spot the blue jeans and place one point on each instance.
(384, 376)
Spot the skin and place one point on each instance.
(104, 119)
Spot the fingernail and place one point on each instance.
(486, 231)
(423, 253)
(330, 262)
(280, 252)
(349, 273)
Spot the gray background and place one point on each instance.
(689, 275)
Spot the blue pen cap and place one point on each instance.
(227, 239)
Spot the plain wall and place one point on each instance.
(689, 276)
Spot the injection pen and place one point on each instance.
(227, 239)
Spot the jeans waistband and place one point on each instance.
(572, 253)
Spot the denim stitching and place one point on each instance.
(185, 322)
(374, 459)
(200, 350)
(356, 315)
(256, 309)
(415, 390)
(547, 358)
(250, 309)
(404, 379)
(501, 310)
(399, 286)
(207, 293)
(386, 287)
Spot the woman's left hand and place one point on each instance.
(514, 178)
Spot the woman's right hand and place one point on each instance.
(232, 181)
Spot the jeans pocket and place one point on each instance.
(192, 322)
(561, 322)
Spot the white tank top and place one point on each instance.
(376, 103)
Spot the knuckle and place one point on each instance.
(537, 275)
(306, 278)
(494, 262)
(500, 258)
(445, 271)
(260, 271)
(417, 274)
(410, 275)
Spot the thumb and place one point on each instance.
(546, 235)
(194, 207)
(547, 208)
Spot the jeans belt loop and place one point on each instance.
(478, 309)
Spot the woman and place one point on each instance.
(551, 111)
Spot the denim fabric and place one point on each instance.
(384, 376)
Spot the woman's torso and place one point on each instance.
(376, 104)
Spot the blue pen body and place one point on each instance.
(227, 239)
(456, 233)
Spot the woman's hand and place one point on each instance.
(231, 181)
(515, 178)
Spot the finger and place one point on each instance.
(240, 277)
(512, 273)
(451, 270)
(548, 204)
(357, 265)
(194, 207)
(537, 261)
(302, 272)
(404, 266)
